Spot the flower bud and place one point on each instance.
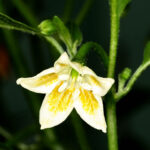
(47, 27)
(126, 73)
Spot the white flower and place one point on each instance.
(69, 85)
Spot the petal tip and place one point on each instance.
(112, 81)
(42, 127)
(19, 81)
(64, 56)
(104, 130)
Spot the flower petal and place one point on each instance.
(43, 82)
(87, 71)
(106, 84)
(56, 107)
(90, 109)
(64, 63)
(98, 85)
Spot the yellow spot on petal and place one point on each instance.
(46, 79)
(60, 101)
(63, 65)
(95, 81)
(89, 102)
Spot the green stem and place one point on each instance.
(85, 8)
(53, 42)
(5, 133)
(131, 82)
(113, 38)
(111, 124)
(110, 103)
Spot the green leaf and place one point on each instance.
(75, 34)
(9, 23)
(121, 6)
(63, 32)
(146, 57)
(47, 27)
(85, 48)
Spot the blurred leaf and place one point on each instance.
(4, 146)
(85, 48)
(5, 133)
(75, 34)
(9, 23)
(122, 5)
(126, 11)
(63, 32)
(146, 57)
(47, 27)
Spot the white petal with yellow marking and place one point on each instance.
(56, 107)
(76, 66)
(106, 84)
(62, 62)
(87, 71)
(98, 85)
(90, 109)
(43, 82)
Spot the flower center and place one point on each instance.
(74, 74)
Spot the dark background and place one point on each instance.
(133, 111)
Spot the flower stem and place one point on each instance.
(113, 37)
(111, 124)
(110, 102)
(53, 42)
(131, 82)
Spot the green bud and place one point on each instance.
(123, 77)
(126, 73)
(47, 27)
